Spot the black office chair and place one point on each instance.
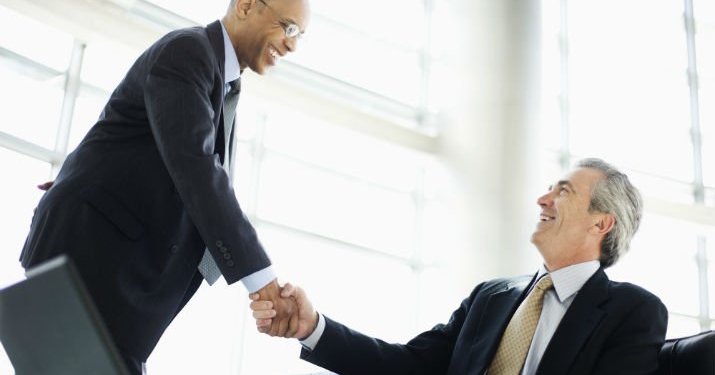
(692, 355)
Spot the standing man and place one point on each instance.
(144, 206)
(568, 318)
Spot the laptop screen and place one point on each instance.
(49, 325)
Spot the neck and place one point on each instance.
(554, 262)
(233, 27)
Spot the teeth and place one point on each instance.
(273, 53)
(546, 218)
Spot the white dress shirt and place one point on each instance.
(232, 71)
(567, 282)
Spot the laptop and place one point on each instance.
(49, 325)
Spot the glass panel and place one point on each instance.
(88, 106)
(551, 109)
(22, 97)
(343, 150)
(710, 197)
(304, 197)
(249, 118)
(106, 63)
(710, 254)
(663, 245)
(209, 11)
(662, 187)
(214, 322)
(398, 21)
(244, 173)
(35, 40)
(705, 49)
(680, 326)
(438, 297)
(18, 198)
(5, 365)
(357, 59)
(438, 236)
(342, 282)
(628, 83)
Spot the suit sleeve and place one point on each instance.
(349, 352)
(634, 346)
(177, 99)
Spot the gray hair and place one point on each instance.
(615, 195)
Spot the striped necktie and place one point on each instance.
(208, 267)
(517, 337)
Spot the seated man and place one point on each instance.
(568, 318)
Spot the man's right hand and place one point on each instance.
(302, 327)
(285, 319)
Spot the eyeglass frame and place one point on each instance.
(286, 26)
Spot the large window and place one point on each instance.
(632, 87)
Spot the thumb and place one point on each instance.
(288, 290)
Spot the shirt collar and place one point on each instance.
(232, 70)
(569, 280)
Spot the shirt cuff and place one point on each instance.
(311, 341)
(257, 280)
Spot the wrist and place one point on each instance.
(313, 326)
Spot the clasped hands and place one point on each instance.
(283, 311)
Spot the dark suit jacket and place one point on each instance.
(610, 328)
(139, 199)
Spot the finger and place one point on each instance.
(261, 305)
(264, 323)
(287, 290)
(274, 330)
(264, 314)
(293, 326)
(254, 296)
(283, 328)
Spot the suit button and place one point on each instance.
(223, 249)
(174, 248)
(219, 244)
(229, 263)
(226, 256)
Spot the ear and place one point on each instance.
(603, 224)
(244, 7)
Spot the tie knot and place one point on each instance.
(235, 86)
(545, 283)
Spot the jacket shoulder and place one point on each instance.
(625, 291)
(501, 284)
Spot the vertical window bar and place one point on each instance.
(702, 261)
(72, 86)
(425, 62)
(698, 185)
(564, 99)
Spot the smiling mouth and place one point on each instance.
(274, 54)
(544, 218)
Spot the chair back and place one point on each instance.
(692, 355)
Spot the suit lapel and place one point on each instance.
(214, 32)
(582, 317)
(497, 312)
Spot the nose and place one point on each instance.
(545, 200)
(290, 44)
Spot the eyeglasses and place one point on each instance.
(291, 30)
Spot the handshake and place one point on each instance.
(283, 311)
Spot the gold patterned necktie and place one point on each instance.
(517, 337)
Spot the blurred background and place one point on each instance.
(394, 161)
